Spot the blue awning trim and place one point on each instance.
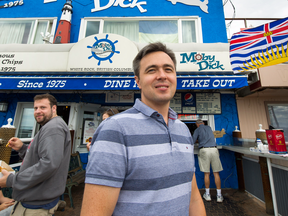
(121, 82)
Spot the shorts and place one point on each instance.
(209, 156)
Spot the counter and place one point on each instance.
(245, 150)
(262, 156)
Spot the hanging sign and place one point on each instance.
(115, 83)
(189, 102)
(175, 103)
(119, 97)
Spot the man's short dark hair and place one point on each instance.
(150, 48)
(51, 98)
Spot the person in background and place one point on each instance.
(208, 154)
(6, 205)
(42, 177)
(108, 113)
(142, 160)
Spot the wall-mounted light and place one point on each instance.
(3, 106)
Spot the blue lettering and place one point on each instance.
(186, 59)
(203, 65)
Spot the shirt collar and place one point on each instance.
(148, 111)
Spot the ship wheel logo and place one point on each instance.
(103, 49)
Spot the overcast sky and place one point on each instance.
(254, 9)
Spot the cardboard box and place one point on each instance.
(5, 166)
(276, 141)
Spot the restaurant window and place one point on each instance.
(278, 117)
(188, 31)
(92, 28)
(27, 31)
(27, 124)
(145, 30)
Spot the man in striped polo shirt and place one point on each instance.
(142, 160)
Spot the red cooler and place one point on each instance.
(276, 141)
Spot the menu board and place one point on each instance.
(175, 103)
(189, 109)
(208, 103)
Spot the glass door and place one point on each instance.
(88, 119)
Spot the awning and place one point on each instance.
(184, 82)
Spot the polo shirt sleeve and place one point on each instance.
(195, 135)
(108, 157)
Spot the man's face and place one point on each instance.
(43, 111)
(157, 79)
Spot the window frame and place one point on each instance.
(51, 25)
(198, 26)
(18, 117)
(274, 103)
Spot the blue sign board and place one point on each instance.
(115, 83)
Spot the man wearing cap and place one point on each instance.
(208, 154)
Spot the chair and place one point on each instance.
(76, 174)
(7, 192)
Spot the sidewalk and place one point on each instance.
(235, 204)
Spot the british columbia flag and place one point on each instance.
(260, 46)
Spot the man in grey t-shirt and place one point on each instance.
(42, 176)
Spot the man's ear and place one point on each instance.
(137, 81)
(54, 109)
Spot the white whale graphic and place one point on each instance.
(202, 4)
(100, 51)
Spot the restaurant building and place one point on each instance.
(82, 52)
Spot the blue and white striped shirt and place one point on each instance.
(152, 163)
